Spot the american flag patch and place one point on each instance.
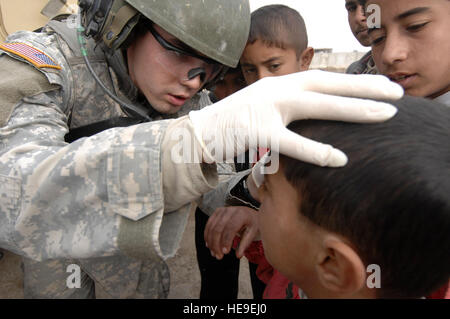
(36, 57)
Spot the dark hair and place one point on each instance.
(280, 26)
(392, 199)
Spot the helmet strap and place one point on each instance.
(119, 26)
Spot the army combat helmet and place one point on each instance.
(216, 28)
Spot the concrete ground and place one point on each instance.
(185, 276)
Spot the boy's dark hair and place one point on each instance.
(392, 199)
(280, 26)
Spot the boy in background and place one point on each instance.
(231, 82)
(277, 44)
(357, 21)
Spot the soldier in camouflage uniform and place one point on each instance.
(61, 95)
(115, 203)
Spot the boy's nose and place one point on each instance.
(263, 73)
(360, 15)
(395, 50)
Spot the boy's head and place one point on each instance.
(277, 44)
(388, 207)
(357, 21)
(412, 47)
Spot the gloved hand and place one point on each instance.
(257, 115)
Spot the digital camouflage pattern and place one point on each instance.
(77, 203)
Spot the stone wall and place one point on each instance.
(334, 61)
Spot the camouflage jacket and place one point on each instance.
(112, 193)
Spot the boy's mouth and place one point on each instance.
(361, 31)
(404, 79)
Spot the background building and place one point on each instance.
(327, 60)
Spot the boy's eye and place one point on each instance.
(274, 67)
(249, 71)
(377, 40)
(351, 7)
(376, 37)
(416, 27)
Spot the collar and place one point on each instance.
(444, 98)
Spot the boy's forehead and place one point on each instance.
(401, 9)
(263, 52)
(400, 4)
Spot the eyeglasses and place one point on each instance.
(185, 62)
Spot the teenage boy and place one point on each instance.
(412, 46)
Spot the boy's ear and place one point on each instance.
(339, 268)
(306, 58)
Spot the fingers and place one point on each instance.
(312, 105)
(306, 150)
(247, 237)
(213, 232)
(362, 86)
(225, 224)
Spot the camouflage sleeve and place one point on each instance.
(81, 200)
(222, 195)
(183, 180)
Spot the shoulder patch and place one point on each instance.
(38, 58)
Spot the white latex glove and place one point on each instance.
(260, 113)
